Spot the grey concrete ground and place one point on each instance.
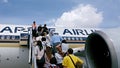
(14, 57)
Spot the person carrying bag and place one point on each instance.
(71, 61)
(77, 64)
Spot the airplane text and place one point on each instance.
(77, 31)
(15, 30)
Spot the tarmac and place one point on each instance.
(14, 57)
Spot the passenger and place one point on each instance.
(45, 29)
(38, 38)
(40, 30)
(62, 48)
(59, 57)
(48, 56)
(44, 42)
(34, 30)
(56, 39)
(39, 53)
(67, 62)
(58, 48)
(47, 37)
(48, 52)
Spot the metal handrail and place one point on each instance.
(32, 57)
(30, 45)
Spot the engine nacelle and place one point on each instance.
(102, 49)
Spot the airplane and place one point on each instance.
(20, 33)
(14, 41)
(15, 35)
(101, 45)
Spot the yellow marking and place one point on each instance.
(23, 42)
(9, 40)
(76, 45)
(10, 45)
(75, 41)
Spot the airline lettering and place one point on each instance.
(77, 31)
(16, 29)
(6, 29)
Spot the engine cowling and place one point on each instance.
(102, 49)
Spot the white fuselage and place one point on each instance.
(19, 34)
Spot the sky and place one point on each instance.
(61, 13)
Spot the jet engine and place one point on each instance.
(102, 49)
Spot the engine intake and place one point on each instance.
(102, 49)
